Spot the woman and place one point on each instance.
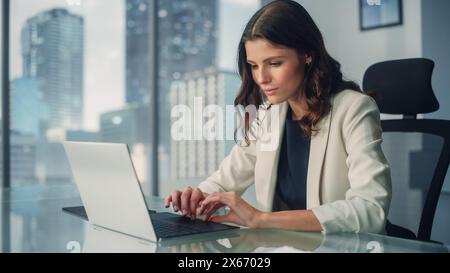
(328, 172)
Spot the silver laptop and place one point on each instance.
(112, 196)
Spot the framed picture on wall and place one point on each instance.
(375, 14)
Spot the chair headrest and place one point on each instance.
(402, 86)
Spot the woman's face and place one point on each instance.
(277, 70)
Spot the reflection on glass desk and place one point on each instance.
(32, 221)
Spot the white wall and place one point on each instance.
(436, 45)
(357, 50)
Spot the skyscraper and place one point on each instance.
(52, 52)
(138, 56)
(197, 158)
(187, 36)
(187, 41)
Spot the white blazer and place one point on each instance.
(348, 181)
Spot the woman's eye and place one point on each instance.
(254, 67)
(275, 64)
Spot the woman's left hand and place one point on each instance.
(240, 213)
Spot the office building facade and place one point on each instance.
(138, 50)
(187, 41)
(198, 156)
(52, 52)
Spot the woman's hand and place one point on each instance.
(186, 201)
(240, 213)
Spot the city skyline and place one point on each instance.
(196, 159)
(190, 35)
(104, 77)
(105, 46)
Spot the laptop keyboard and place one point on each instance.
(168, 225)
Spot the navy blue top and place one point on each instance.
(292, 167)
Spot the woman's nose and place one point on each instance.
(263, 76)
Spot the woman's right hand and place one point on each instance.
(187, 201)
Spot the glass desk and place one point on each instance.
(32, 221)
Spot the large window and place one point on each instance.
(82, 70)
(71, 79)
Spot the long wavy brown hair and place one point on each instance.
(286, 23)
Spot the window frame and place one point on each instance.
(6, 167)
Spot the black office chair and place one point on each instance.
(404, 87)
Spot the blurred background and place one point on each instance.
(112, 70)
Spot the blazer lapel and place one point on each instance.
(317, 151)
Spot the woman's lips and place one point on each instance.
(270, 92)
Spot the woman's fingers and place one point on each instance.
(167, 200)
(202, 207)
(211, 210)
(192, 202)
(213, 198)
(212, 203)
(186, 201)
(196, 198)
(176, 202)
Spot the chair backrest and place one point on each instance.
(404, 87)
